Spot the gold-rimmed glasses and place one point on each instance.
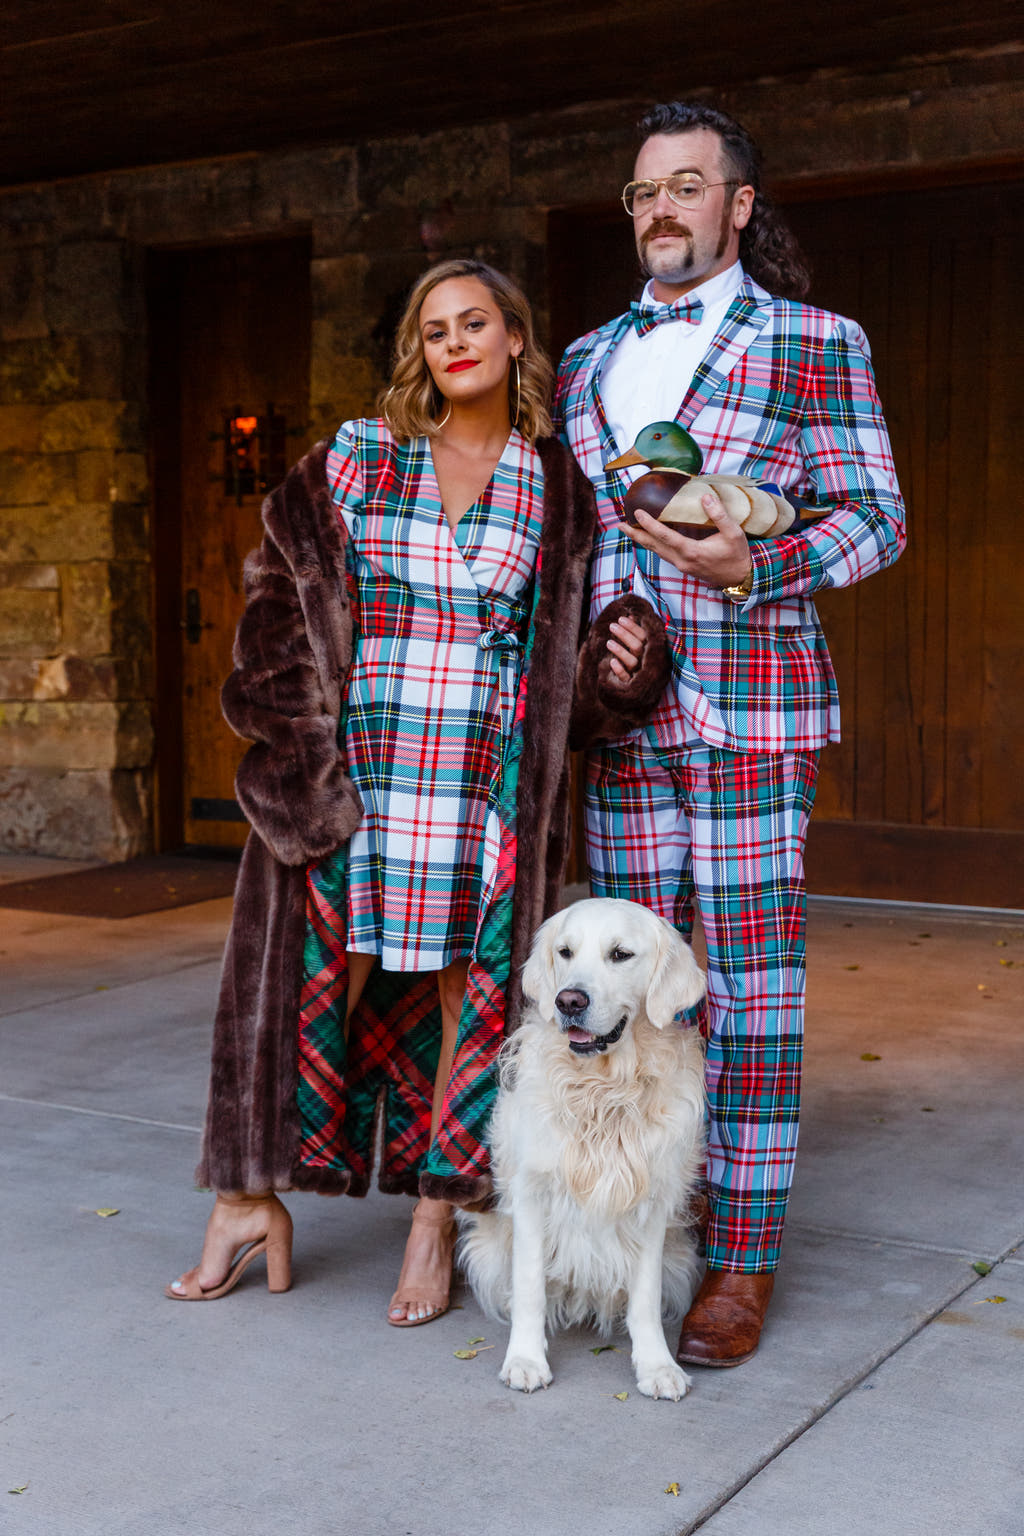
(686, 189)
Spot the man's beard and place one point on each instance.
(685, 260)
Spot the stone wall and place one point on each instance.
(76, 671)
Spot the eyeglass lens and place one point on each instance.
(686, 189)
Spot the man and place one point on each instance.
(710, 802)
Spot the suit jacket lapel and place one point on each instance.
(746, 317)
(605, 343)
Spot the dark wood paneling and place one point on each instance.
(884, 862)
(128, 82)
(929, 653)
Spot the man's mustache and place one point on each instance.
(664, 227)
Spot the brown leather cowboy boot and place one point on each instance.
(724, 1322)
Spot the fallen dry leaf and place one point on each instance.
(673, 1489)
(470, 1354)
(851, 967)
(980, 1267)
(480, 1340)
(18, 1490)
(620, 1397)
(869, 1056)
(108, 1210)
(600, 1349)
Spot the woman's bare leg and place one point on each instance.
(239, 1217)
(359, 968)
(425, 1280)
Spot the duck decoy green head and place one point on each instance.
(662, 445)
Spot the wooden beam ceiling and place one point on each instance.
(94, 86)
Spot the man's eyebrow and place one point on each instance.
(682, 170)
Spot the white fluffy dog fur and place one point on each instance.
(596, 1140)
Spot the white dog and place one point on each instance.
(596, 1138)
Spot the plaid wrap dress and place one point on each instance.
(431, 732)
(430, 698)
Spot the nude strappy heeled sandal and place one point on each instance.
(276, 1243)
(439, 1301)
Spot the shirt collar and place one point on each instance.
(723, 286)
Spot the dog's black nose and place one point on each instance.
(571, 1000)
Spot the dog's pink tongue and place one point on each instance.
(580, 1036)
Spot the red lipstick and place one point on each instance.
(460, 366)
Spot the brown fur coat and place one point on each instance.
(292, 654)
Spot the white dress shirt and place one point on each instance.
(646, 377)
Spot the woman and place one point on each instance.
(405, 668)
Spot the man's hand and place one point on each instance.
(721, 560)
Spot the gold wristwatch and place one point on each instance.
(742, 590)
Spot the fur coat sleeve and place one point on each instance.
(603, 705)
(292, 652)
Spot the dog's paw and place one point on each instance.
(525, 1375)
(664, 1380)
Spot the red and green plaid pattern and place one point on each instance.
(461, 1144)
(727, 830)
(390, 1060)
(711, 803)
(431, 692)
(391, 1053)
(395, 1033)
(786, 393)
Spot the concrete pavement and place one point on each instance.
(888, 1393)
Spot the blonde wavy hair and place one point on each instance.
(413, 402)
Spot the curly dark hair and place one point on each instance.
(768, 248)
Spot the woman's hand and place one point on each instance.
(625, 648)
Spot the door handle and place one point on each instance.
(192, 623)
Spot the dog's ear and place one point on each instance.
(539, 970)
(677, 982)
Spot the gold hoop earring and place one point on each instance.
(515, 421)
(447, 416)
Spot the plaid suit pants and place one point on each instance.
(724, 830)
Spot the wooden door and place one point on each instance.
(924, 798)
(231, 350)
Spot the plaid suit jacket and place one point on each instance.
(786, 393)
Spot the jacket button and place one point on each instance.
(627, 585)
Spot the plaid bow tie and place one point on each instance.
(646, 318)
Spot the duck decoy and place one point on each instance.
(672, 490)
